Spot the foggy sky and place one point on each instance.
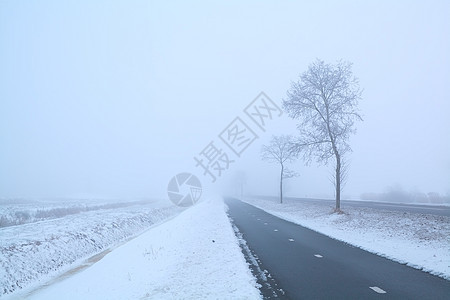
(113, 98)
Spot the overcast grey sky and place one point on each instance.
(113, 98)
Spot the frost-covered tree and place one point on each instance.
(279, 150)
(325, 102)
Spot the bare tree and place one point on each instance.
(280, 151)
(325, 101)
(240, 179)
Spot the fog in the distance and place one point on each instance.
(113, 99)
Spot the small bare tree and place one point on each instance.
(240, 179)
(325, 102)
(280, 151)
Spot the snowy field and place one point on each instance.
(41, 240)
(22, 211)
(195, 255)
(421, 241)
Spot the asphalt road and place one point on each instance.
(309, 265)
(438, 210)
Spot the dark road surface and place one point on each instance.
(309, 265)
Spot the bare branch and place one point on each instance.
(279, 150)
(289, 174)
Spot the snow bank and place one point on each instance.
(421, 241)
(12, 214)
(33, 253)
(194, 256)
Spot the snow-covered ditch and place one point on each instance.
(195, 255)
(419, 240)
(34, 252)
(23, 211)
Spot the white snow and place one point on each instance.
(37, 251)
(196, 255)
(421, 241)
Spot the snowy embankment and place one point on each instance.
(196, 255)
(37, 251)
(421, 241)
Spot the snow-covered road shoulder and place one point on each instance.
(419, 240)
(193, 256)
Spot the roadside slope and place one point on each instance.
(194, 256)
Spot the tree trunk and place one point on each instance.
(281, 183)
(338, 183)
(338, 162)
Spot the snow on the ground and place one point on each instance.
(22, 211)
(421, 241)
(33, 253)
(196, 255)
